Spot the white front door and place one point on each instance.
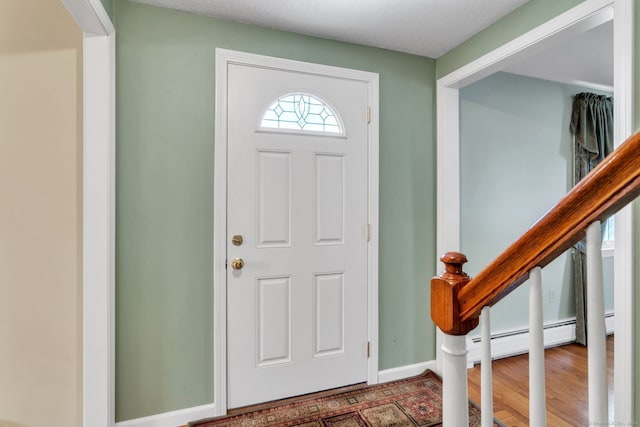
(297, 195)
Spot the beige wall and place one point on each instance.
(40, 215)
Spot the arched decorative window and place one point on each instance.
(303, 113)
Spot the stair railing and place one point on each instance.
(459, 303)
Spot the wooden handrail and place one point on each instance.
(613, 184)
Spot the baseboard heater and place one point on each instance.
(516, 341)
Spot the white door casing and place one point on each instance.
(301, 310)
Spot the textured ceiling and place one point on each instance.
(422, 27)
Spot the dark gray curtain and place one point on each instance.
(592, 130)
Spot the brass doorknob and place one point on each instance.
(237, 263)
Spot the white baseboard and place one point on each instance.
(511, 343)
(504, 344)
(173, 418)
(183, 416)
(406, 371)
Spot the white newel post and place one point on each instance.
(596, 332)
(537, 399)
(445, 314)
(455, 394)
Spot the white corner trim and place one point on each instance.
(224, 57)
(406, 371)
(448, 168)
(103, 17)
(447, 183)
(98, 253)
(90, 16)
(98, 215)
(173, 418)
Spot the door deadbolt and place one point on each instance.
(237, 240)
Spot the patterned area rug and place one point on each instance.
(415, 401)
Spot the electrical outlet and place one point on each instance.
(553, 296)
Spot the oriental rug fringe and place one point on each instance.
(415, 401)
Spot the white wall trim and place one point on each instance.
(219, 238)
(581, 18)
(373, 217)
(90, 16)
(223, 59)
(98, 323)
(98, 218)
(173, 418)
(447, 183)
(623, 293)
(406, 371)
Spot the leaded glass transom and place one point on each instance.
(301, 112)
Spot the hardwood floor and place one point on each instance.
(566, 386)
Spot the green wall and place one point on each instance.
(108, 6)
(516, 163)
(165, 72)
(516, 23)
(165, 134)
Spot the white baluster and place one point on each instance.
(486, 376)
(455, 394)
(537, 399)
(597, 351)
